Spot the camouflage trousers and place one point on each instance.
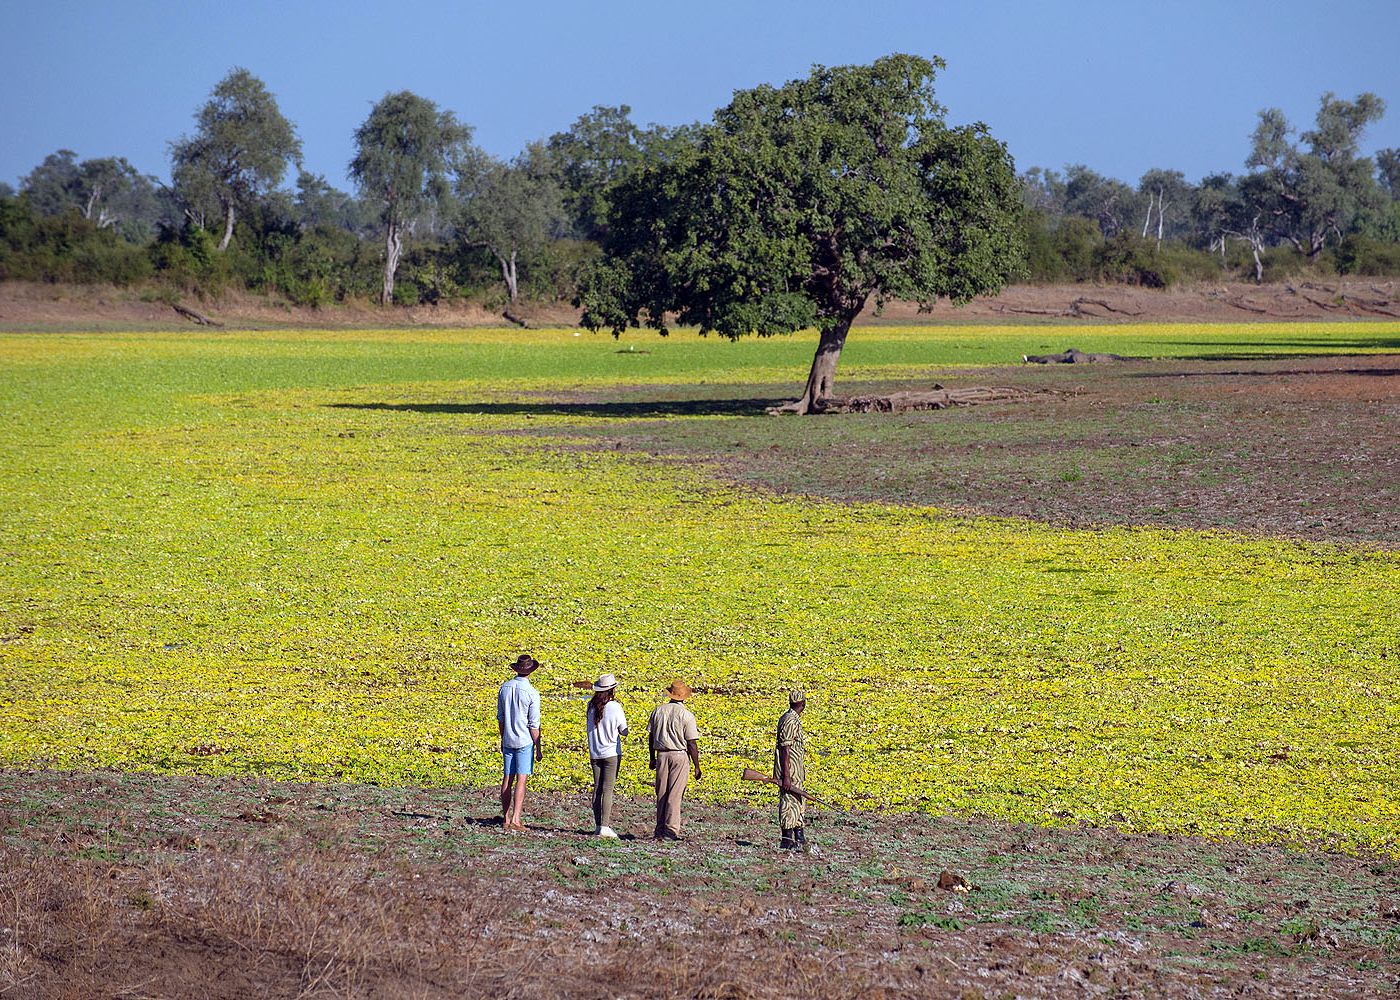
(792, 810)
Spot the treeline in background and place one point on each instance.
(434, 218)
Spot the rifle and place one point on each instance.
(751, 775)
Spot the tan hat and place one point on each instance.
(525, 664)
(797, 696)
(679, 690)
(605, 683)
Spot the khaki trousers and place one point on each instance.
(672, 773)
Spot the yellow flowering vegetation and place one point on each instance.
(311, 555)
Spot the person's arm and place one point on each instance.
(783, 782)
(651, 739)
(534, 724)
(693, 748)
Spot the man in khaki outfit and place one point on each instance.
(672, 737)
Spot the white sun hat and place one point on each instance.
(605, 683)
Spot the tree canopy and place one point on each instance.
(800, 204)
(239, 151)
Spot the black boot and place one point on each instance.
(801, 836)
(789, 841)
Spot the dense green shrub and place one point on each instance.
(407, 293)
(554, 273)
(1285, 263)
(1132, 260)
(64, 247)
(1366, 256)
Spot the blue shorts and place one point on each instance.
(519, 760)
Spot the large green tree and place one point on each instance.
(802, 203)
(239, 151)
(405, 154)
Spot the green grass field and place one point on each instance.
(310, 555)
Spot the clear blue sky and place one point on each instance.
(1121, 86)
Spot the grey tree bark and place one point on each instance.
(508, 273)
(228, 226)
(822, 378)
(393, 250)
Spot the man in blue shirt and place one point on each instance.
(518, 718)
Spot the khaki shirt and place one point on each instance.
(671, 726)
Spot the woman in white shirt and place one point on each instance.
(606, 727)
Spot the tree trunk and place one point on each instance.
(228, 226)
(823, 375)
(508, 273)
(393, 249)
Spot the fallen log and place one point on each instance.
(1076, 308)
(1073, 356)
(935, 398)
(1247, 307)
(512, 318)
(193, 316)
(1027, 312)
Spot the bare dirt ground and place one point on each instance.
(30, 306)
(1300, 447)
(131, 885)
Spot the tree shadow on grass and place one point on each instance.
(1356, 346)
(625, 410)
(1272, 373)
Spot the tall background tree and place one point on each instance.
(1168, 197)
(240, 150)
(1311, 192)
(107, 191)
(405, 154)
(802, 203)
(513, 209)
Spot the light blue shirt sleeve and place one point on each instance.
(501, 704)
(534, 715)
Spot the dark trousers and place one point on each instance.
(604, 778)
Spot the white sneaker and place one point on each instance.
(606, 833)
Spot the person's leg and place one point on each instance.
(662, 768)
(598, 773)
(790, 815)
(605, 781)
(507, 788)
(677, 780)
(518, 803)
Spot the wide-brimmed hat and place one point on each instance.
(605, 683)
(525, 664)
(679, 690)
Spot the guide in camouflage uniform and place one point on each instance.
(790, 770)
